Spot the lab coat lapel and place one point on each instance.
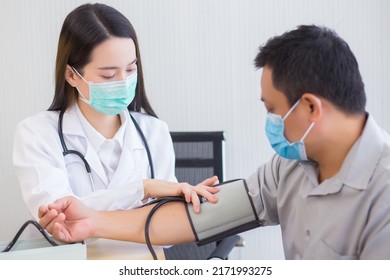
(71, 128)
(94, 162)
(127, 167)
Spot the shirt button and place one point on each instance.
(307, 232)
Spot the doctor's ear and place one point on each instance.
(314, 105)
(70, 76)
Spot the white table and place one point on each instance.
(106, 249)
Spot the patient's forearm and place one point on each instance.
(169, 225)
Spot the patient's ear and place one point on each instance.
(314, 106)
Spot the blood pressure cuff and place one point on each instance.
(233, 213)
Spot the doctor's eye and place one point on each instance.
(132, 69)
(108, 77)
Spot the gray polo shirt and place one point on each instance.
(344, 217)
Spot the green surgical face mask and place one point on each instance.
(110, 98)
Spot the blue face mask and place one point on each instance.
(110, 98)
(274, 129)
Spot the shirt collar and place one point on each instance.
(94, 136)
(359, 164)
(362, 159)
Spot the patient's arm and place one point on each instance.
(69, 220)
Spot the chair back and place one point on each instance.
(199, 155)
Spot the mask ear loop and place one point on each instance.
(307, 132)
(78, 74)
(82, 96)
(291, 109)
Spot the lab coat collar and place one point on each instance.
(131, 134)
(94, 136)
(132, 141)
(127, 164)
(71, 126)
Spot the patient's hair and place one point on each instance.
(312, 59)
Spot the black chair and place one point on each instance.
(200, 155)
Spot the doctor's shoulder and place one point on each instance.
(43, 123)
(150, 125)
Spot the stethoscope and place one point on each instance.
(66, 151)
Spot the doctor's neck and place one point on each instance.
(106, 125)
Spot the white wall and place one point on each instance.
(198, 61)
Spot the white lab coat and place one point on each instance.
(44, 174)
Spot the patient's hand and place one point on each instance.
(67, 219)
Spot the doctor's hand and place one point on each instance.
(67, 219)
(159, 188)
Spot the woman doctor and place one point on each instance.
(100, 140)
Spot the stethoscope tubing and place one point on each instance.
(66, 151)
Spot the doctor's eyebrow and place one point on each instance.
(115, 67)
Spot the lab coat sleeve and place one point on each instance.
(263, 187)
(37, 167)
(119, 198)
(43, 177)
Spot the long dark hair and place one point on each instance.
(84, 28)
